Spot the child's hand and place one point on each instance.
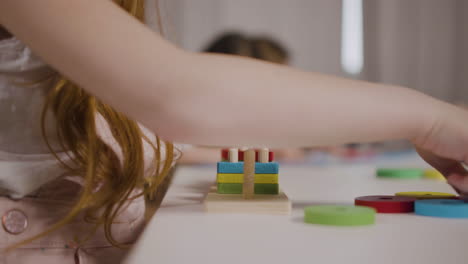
(445, 146)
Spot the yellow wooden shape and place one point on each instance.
(426, 195)
(239, 178)
(434, 175)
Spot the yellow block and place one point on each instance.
(426, 195)
(239, 178)
(434, 175)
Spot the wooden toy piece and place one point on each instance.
(227, 196)
(427, 195)
(260, 168)
(232, 173)
(229, 188)
(230, 178)
(400, 173)
(235, 203)
(249, 174)
(387, 203)
(225, 155)
(266, 178)
(434, 175)
(266, 188)
(267, 168)
(241, 153)
(339, 215)
(231, 183)
(228, 167)
(233, 155)
(271, 155)
(446, 208)
(263, 155)
(259, 188)
(239, 178)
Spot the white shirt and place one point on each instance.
(25, 161)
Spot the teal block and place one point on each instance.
(230, 167)
(238, 167)
(267, 168)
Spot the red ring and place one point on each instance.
(387, 203)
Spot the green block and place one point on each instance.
(230, 188)
(266, 188)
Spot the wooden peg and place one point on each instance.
(233, 155)
(263, 155)
(249, 174)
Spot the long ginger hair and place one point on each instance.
(109, 180)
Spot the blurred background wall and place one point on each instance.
(421, 44)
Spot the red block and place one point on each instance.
(225, 154)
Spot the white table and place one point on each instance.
(182, 232)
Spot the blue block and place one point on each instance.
(238, 167)
(267, 168)
(447, 208)
(230, 167)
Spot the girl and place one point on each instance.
(203, 99)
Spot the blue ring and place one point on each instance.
(446, 208)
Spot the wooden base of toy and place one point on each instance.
(235, 203)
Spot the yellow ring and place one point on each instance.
(426, 195)
(434, 175)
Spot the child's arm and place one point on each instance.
(221, 100)
(190, 97)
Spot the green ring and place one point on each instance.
(400, 173)
(337, 215)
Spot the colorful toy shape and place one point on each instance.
(230, 175)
